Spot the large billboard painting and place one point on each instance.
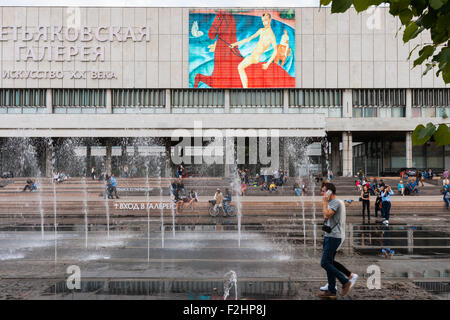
(241, 48)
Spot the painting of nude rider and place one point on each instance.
(241, 48)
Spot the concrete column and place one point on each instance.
(335, 158)
(49, 101)
(347, 104)
(109, 101)
(408, 150)
(347, 154)
(350, 154)
(344, 154)
(285, 101)
(168, 101)
(108, 156)
(227, 101)
(408, 111)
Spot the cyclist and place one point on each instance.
(219, 200)
(227, 199)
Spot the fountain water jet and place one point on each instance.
(85, 210)
(148, 212)
(229, 282)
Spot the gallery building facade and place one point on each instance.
(108, 74)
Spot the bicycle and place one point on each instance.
(225, 210)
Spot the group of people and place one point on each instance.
(60, 177)
(103, 176)
(178, 194)
(263, 181)
(299, 188)
(383, 194)
(408, 188)
(7, 174)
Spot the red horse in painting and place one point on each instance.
(226, 61)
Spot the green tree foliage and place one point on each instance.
(415, 16)
(422, 134)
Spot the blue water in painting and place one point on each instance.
(202, 61)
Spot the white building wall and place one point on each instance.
(346, 50)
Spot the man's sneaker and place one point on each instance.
(346, 288)
(327, 295)
(353, 280)
(325, 288)
(385, 222)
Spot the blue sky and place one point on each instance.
(165, 3)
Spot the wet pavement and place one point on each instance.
(192, 265)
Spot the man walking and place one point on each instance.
(334, 227)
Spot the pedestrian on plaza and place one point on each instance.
(334, 227)
(172, 188)
(192, 198)
(445, 184)
(112, 183)
(447, 198)
(243, 187)
(365, 197)
(386, 204)
(401, 188)
(378, 200)
(180, 186)
(93, 173)
(330, 175)
(272, 187)
(297, 189)
(178, 199)
(421, 178)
